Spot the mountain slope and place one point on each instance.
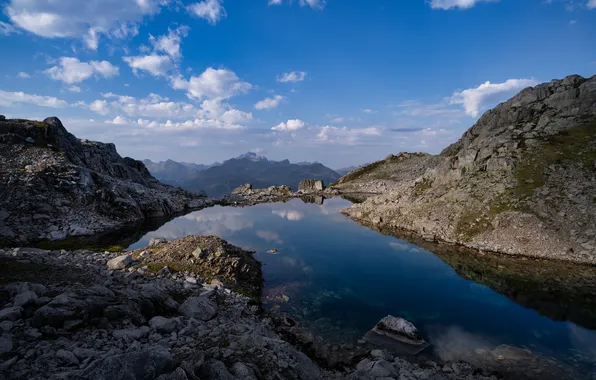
(53, 185)
(521, 181)
(250, 168)
(172, 172)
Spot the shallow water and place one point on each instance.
(339, 279)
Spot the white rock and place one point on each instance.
(120, 262)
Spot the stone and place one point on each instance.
(67, 357)
(504, 352)
(120, 262)
(25, 298)
(201, 308)
(6, 326)
(72, 325)
(378, 368)
(33, 334)
(198, 254)
(5, 344)
(399, 329)
(11, 313)
(191, 280)
(128, 334)
(30, 140)
(311, 185)
(156, 241)
(242, 190)
(163, 325)
(145, 364)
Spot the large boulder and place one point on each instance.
(201, 308)
(397, 335)
(138, 365)
(120, 262)
(311, 185)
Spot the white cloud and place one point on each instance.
(290, 125)
(170, 44)
(462, 4)
(474, 99)
(211, 10)
(81, 19)
(368, 111)
(100, 106)
(317, 4)
(269, 103)
(74, 89)
(294, 76)
(234, 116)
(71, 70)
(119, 121)
(591, 4)
(344, 135)
(23, 75)
(7, 99)
(156, 65)
(7, 29)
(212, 84)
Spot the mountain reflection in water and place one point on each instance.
(339, 279)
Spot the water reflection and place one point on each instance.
(340, 279)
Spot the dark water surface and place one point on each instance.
(339, 279)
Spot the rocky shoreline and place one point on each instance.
(520, 182)
(69, 316)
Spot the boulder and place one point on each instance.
(11, 313)
(25, 298)
(397, 335)
(311, 185)
(137, 365)
(67, 357)
(120, 262)
(163, 325)
(201, 308)
(156, 241)
(5, 344)
(242, 190)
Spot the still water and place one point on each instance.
(339, 279)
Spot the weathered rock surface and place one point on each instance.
(54, 186)
(521, 181)
(311, 185)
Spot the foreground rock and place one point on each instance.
(134, 324)
(521, 181)
(207, 257)
(397, 334)
(311, 185)
(54, 186)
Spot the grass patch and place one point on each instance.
(75, 243)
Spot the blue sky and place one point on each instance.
(341, 82)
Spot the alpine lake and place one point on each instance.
(338, 279)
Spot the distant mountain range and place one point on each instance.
(344, 171)
(221, 178)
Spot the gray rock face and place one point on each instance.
(519, 182)
(120, 262)
(5, 344)
(310, 185)
(11, 313)
(139, 365)
(201, 308)
(73, 187)
(163, 325)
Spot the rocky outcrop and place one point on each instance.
(521, 181)
(310, 186)
(54, 186)
(143, 325)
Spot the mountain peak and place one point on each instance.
(252, 156)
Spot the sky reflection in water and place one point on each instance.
(342, 278)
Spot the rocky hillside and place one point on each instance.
(54, 186)
(521, 181)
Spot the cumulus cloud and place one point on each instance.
(474, 99)
(450, 4)
(23, 75)
(294, 76)
(345, 135)
(212, 84)
(210, 10)
(81, 19)
(170, 43)
(7, 99)
(290, 125)
(70, 70)
(269, 103)
(154, 64)
(100, 106)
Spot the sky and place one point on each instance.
(341, 82)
